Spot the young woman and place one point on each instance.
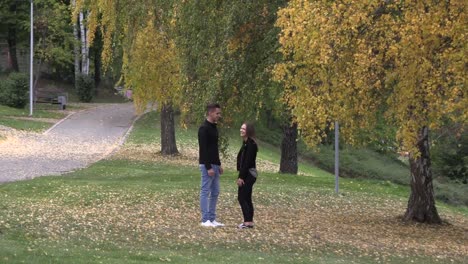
(246, 166)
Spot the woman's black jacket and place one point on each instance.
(246, 158)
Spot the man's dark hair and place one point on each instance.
(211, 107)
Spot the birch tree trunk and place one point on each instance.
(84, 48)
(76, 44)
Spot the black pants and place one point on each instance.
(244, 196)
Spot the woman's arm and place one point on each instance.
(248, 161)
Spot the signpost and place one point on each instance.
(31, 60)
(337, 156)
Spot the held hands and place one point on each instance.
(240, 182)
(211, 172)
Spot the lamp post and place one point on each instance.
(337, 156)
(31, 60)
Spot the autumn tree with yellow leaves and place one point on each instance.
(349, 60)
(152, 71)
(150, 66)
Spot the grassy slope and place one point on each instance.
(131, 211)
(368, 164)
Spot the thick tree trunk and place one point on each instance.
(12, 41)
(421, 204)
(288, 163)
(168, 140)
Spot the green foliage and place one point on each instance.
(53, 34)
(201, 35)
(450, 157)
(17, 19)
(85, 87)
(451, 193)
(228, 51)
(14, 90)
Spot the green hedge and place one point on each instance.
(14, 90)
(85, 87)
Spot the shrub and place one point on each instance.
(451, 193)
(14, 90)
(85, 87)
(450, 157)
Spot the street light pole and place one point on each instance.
(337, 156)
(31, 56)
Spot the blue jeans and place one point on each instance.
(209, 193)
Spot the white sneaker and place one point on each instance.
(207, 223)
(216, 223)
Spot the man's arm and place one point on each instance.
(203, 145)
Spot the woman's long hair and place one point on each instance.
(250, 131)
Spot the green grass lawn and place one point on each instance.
(14, 112)
(139, 207)
(28, 125)
(20, 119)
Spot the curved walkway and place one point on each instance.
(74, 142)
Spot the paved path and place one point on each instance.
(75, 142)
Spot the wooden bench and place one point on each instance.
(53, 98)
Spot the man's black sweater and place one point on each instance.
(208, 151)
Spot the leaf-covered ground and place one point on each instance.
(290, 217)
(306, 219)
(141, 207)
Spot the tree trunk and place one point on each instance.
(288, 163)
(421, 204)
(97, 48)
(76, 45)
(168, 140)
(38, 68)
(84, 53)
(37, 75)
(269, 118)
(12, 41)
(97, 69)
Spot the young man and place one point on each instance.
(210, 166)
